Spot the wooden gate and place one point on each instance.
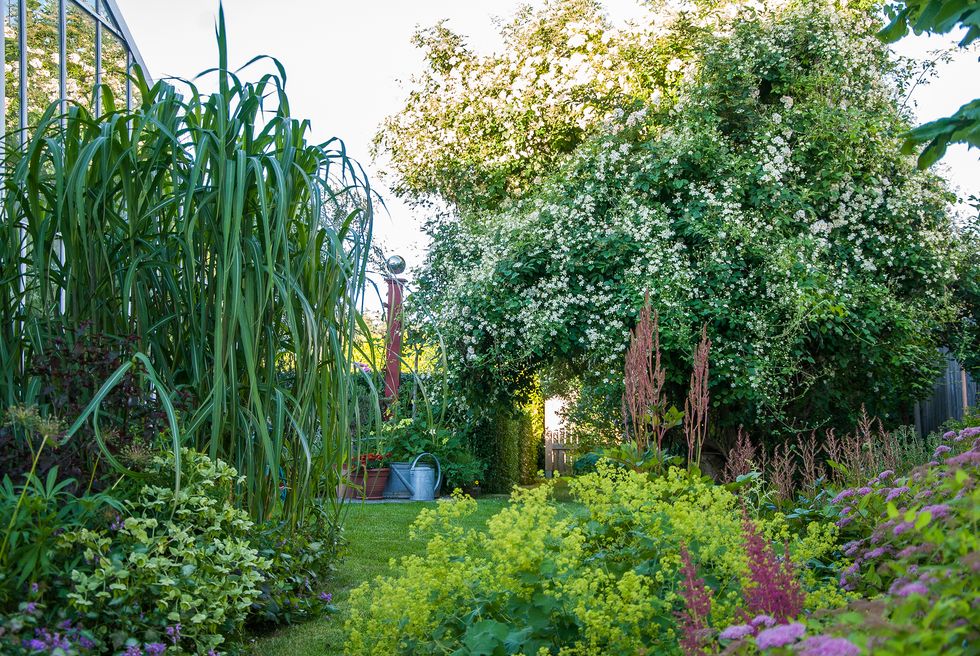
(559, 447)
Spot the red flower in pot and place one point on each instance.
(369, 476)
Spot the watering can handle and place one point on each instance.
(399, 476)
(438, 468)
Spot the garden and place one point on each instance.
(717, 233)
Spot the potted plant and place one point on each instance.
(369, 476)
(472, 489)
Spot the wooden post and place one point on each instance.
(393, 344)
(966, 396)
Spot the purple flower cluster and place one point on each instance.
(828, 646)
(894, 493)
(780, 636)
(912, 588)
(736, 632)
(65, 639)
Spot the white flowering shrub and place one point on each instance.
(762, 191)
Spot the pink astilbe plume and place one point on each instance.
(741, 458)
(772, 588)
(697, 605)
(833, 448)
(696, 405)
(643, 397)
(783, 471)
(813, 469)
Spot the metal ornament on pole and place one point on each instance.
(393, 342)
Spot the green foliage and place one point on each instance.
(209, 227)
(34, 512)
(939, 17)
(596, 578)
(965, 334)
(409, 438)
(511, 443)
(496, 441)
(770, 202)
(300, 562)
(916, 554)
(174, 558)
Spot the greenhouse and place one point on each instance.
(64, 49)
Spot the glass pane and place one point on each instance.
(11, 35)
(43, 71)
(80, 53)
(88, 3)
(114, 68)
(137, 98)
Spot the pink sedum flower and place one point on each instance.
(828, 646)
(780, 636)
(736, 632)
(911, 589)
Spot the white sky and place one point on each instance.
(345, 61)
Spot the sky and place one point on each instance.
(348, 64)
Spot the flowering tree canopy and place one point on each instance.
(741, 161)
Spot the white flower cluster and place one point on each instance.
(797, 218)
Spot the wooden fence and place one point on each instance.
(559, 447)
(948, 398)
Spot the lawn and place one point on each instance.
(375, 533)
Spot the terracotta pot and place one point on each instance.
(367, 483)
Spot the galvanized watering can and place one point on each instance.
(422, 481)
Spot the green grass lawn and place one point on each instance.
(375, 533)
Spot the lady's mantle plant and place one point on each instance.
(643, 563)
(177, 571)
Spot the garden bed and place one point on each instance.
(376, 533)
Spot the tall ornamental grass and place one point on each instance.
(233, 249)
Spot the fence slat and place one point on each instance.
(948, 395)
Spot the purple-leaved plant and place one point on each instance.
(697, 606)
(772, 588)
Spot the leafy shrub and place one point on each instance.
(70, 371)
(511, 443)
(35, 512)
(597, 578)
(178, 569)
(916, 565)
(408, 438)
(298, 559)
